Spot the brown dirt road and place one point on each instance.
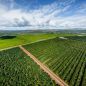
(53, 76)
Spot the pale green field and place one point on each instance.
(27, 38)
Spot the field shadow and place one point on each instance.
(7, 37)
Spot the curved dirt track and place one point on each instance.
(53, 76)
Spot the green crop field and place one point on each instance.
(21, 39)
(64, 56)
(17, 69)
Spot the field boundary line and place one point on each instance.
(26, 44)
(52, 75)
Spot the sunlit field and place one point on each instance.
(21, 39)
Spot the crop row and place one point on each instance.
(66, 57)
(17, 69)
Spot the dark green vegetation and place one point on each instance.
(17, 69)
(66, 57)
(78, 38)
(7, 37)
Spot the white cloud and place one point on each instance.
(44, 16)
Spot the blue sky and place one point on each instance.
(44, 13)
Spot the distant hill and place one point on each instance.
(41, 31)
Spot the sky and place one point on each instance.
(39, 14)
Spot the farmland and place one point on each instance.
(42, 42)
(17, 69)
(65, 57)
(24, 38)
(64, 54)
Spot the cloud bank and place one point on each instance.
(54, 15)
